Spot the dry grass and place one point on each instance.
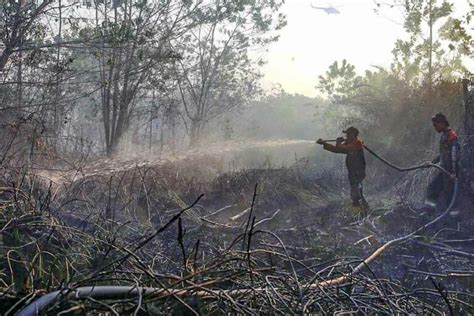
(135, 228)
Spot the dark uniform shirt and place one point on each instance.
(442, 184)
(448, 151)
(355, 159)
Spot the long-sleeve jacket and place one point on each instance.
(448, 151)
(355, 159)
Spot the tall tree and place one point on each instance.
(18, 20)
(435, 45)
(134, 48)
(340, 82)
(217, 74)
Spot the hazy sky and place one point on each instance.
(313, 40)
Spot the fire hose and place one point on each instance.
(424, 165)
(95, 292)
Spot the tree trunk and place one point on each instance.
(195, 133)
(467, 164)
(5, 57)
(430, 59)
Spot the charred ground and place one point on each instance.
(298, 234)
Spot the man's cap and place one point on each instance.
(440, 118)
(351, 130)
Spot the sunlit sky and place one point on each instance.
(313, 40)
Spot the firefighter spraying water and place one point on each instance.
(353, 148)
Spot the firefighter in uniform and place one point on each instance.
(353, 148)
(442, 184)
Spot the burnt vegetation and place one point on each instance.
(145, 171)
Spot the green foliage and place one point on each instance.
(217, 73)
(455, 31)
(391, 112)
(390, 105)
(435, 45)
(340, 81)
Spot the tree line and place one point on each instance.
(94, 72)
